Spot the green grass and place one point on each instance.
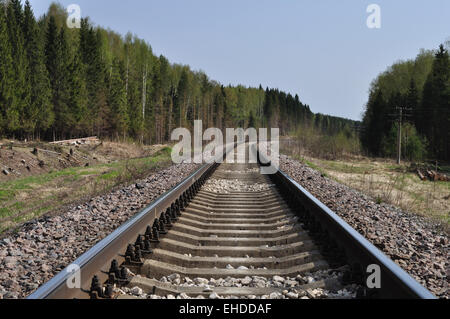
(50, 191)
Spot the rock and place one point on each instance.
(140, 186)
(136, 291)
(310, 280)
(58, 236)
(10, 261)
(292, 295)
(46, 268)
(275, 295)
(201, 281)
(290, 283)
(278, 279)
(246, 281)
(173, 277)
(313, 293)
(229, 267)
(214, 296)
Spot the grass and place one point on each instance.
(30, 197)
(387, 182)
(393, 184)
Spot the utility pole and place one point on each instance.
(399, 144)
(401, 115)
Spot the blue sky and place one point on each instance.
(319, 49)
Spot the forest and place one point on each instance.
(422, 88)
(59, 83)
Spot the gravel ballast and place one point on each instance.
(415, 243)
(284, 287)
(242, 282)
(42, 248)
(229, 186)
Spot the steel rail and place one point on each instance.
(96, 261)
(100, 256)
(358, 251)
(396, 283)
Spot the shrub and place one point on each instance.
(413, 145)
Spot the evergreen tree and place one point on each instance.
(90, 47)
(6, 74)
(374, 122)
(412, 101)
(39, 112)
(21, 93)
(57, 57)
(118, 98)
(182, 99)
(134, 109)
(436, 105)
(78, 97)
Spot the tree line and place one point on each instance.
(58, 83)
(422, 87)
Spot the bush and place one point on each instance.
(413, 145)
(317, 144)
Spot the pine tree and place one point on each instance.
(375, 121)
(134, 109)
(182, 99)
(15, 114)
(89, 49)
(118, 99)
(57, 57)
(436, 106)
(39, 111)
(78, 97)
(412, 101)
(6, 74)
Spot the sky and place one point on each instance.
(321, 50)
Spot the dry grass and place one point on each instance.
(388, 182)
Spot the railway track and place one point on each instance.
(228, 231)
